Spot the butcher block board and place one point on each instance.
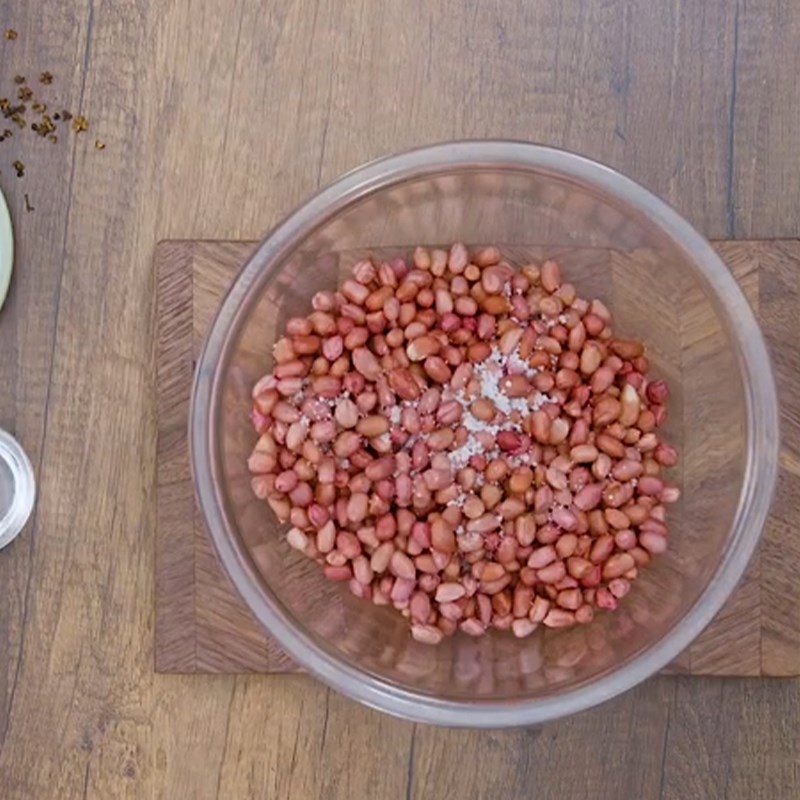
(203, 626)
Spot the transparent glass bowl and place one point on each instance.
(664, 284)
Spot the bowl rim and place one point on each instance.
(470, 155)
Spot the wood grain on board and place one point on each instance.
(220, 116)
(202, 625)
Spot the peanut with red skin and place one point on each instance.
(374, 390)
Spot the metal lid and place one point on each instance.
(17, 488)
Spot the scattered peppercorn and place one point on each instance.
(44, 124)
(11, 34)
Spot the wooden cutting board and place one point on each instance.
(203, 626)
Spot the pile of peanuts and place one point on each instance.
(467, 441)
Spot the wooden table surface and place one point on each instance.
(219, 116)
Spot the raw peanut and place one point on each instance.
(626, 348)
(449, 592)
(441, 439)
(458, 258)
(419, 349)
(466, 306)
(523, 627)
(543, 498)
(487, 256)
(520, 480)
(602, 379)
(509, 340)
(629, 405)
(617, 565)
(515, 386)
(552, 573)
(380, 468)
(286, 481)
(650, 486)
(625, 539)
(606, 411)
(570, 599)
(616, 518)
(346, 414)
(483, 524)
(357, 507)
(617, 494)
(665, 455)
(402, 566)
(602, 466)
(427, 634)
(492, 280)
(403, 383)
(550, 276)
(326, 537)
(653, 542)
(482, 409)
(556, 478)
(372, 426)
(326, 386)
(540, 426)
(559, 430)
(589, 497)
(510, 508)
(564, 518)
(525, 529)
(283, 350)
(346, 444)
(583, 453)
(539, 609)
(473, 507)
(626, 469)
(437, 369)
(609, 445)
(259, 463)
(579, 567)
(442, 537)
(437, 479)
(366, 363)
(590, 358)
(296, 539)
(322, 301)
(559, 618)
(657, 392)
(380, 559)
(306, 345)
(509, 441)
(601, 549)
(478, 352)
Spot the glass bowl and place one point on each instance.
(664, 285)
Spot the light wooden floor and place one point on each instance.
(219, 116)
